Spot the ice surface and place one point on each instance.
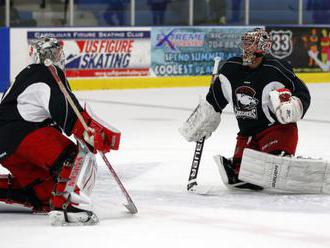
(154, 162)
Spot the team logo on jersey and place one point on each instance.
(281, 43)
(246, 103)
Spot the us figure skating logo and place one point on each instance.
(281, 43)
(99, 53)
(246, 103)
(103, 53)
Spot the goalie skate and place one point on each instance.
(84, 218)
(230, 177)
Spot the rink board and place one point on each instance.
(4, 59)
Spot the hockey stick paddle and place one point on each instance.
(130, 204)
(200, 144)
(195, 164)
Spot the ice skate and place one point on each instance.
(70, 218)
(230, 176)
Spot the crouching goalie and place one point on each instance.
(48, 171)
(268, 100)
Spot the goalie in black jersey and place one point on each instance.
(48, 171)
(267, 98)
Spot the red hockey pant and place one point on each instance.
(34, 158)
(273, 140)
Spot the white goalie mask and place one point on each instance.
(48, 50)
(254, 44)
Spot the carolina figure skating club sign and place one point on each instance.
(103, 53)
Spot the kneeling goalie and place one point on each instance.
(268, 99)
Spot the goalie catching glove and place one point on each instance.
(287, 108)
(201, 123)
(100, 136)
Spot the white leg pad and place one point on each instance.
(82, 177)
(289, 174)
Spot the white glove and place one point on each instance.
(287, 108)
(201, 123)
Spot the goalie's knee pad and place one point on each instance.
(75, 180)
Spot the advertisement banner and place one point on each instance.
(188, 51)
(104, 53)
(306, 48)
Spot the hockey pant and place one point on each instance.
(273, 140)
(40, 168)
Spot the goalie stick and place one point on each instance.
(195, 164)
(130, 204)
(192, 181)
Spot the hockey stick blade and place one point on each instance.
(205, 190)
(190, 186)
(131, 208)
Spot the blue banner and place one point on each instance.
(189, 51)
(4, 59)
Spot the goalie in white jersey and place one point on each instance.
(48, 171)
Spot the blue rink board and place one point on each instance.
(4, 59)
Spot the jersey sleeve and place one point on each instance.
(215, 96)
(302, 92)
(60, 110)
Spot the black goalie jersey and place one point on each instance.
(33, 101)
(248, 91)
